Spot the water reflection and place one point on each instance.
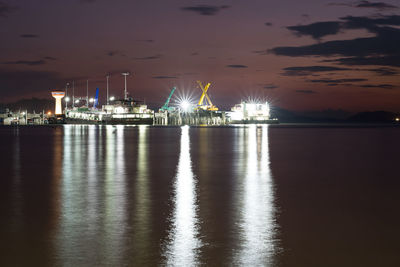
(184, 242)
(142, 215)
(256, 219)
(92, 223)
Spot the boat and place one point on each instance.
(126, 111)
(251, 113)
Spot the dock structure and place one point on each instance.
(199, 117)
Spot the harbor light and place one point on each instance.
(67, 99)
(49, 113)
(112, 98)
(397, 119)
(91, 100)
(77, 101)
(185, 105)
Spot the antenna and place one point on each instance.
(73, 93)
(87, 93)
(108, 98)
(125, 92)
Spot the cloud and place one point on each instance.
(25, 62)
(383, 86)
(148, 57)
(317, 30)
(50, 58)
(112, 53)
(146, 41)
(14, 83)
(269, 86)
(385, 71)
(164, 77)
(308, 70)
(377, 5)
(268, 24)
(236, 66)
(367, 4)
(205, 10)
(381, 49)
(6, 9)
(87, 1)
(338, 81)
(306, 91)
(29, 36)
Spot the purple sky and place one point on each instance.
(301, 55)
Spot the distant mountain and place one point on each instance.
(333, 116)
(375, 116)
(287, 116)
(33, 104)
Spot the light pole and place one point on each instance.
(66, 93)
(87, 93)
(125, 92)
(73, 94)
(108, 76)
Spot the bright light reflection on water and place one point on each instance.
(184, 242)
(256, 220)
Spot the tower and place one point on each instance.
(125, 92)
(58, 95)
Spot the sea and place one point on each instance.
(245, 195)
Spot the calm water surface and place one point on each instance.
(79, 195)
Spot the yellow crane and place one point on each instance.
(205, 104)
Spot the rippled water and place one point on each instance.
(77, 195)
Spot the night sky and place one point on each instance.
(300, 55)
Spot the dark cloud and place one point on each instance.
(393, 61)
(317, 30)
(205, 10)
(25, 62)
(367, 4)
(194, 54)
(14, 83)
(377, 5)
(29, 35)
(50, 58)
(236, 66)
(384, 71)
(306, 91)
(268, 24)
(308, 70)
(269, 86)
(338, 81)
(112, 53)
(6, 9)
(164, 77)
(87, 1)
(381, 49)
(383, 86)
(146, 41)
(149, 57)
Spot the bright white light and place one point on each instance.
(91, 100)
(112, 98)
(67, 99)
(77, 101)
(23, 113)
(119, 110)
(185, 105)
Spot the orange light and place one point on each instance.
(49, 113)
(397, 119)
